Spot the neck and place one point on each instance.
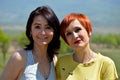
(40, 50)
(41, 57)
(83, 55)
(40, 54)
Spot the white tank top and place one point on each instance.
(31, 71)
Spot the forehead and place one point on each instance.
(74, 24)
(40, 19)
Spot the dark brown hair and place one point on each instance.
(53, 21)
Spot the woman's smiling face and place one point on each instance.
(41, 32)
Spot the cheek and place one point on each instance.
(51, 34)
(84, 34)
(34, 33)
(86, 37)
(69, 41)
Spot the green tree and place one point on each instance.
(4, 43)
(108, 39)
(22, 40)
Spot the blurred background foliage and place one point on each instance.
(20, 40)
(108, 44)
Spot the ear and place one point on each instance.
(90, 34)
(30, 34)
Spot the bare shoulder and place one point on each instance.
(15, 65)
(18, 57)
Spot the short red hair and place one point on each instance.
(83, 19)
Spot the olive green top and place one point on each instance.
(102, 68)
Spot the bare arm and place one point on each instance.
(14, 67)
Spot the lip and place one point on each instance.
(78, 41)
(42, 38)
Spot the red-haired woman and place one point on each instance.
(84, 63)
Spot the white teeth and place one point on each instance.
(42, 38)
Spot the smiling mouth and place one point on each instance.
(43, 38)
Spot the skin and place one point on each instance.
(78, 38)
(14, 66)
(42, 35)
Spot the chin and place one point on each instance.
(78, 46)
(43, 43)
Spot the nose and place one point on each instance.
(42, 32)
(75, 35)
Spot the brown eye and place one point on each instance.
(37, 27)
(68, 33)
(48, 27)
(77, 29)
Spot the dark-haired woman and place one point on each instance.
(37, 60)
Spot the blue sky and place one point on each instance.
(103, 13)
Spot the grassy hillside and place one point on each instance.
(13, 32)
(100, 46)
(112, 53)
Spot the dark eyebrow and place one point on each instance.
(39, 24)
(36, 24)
